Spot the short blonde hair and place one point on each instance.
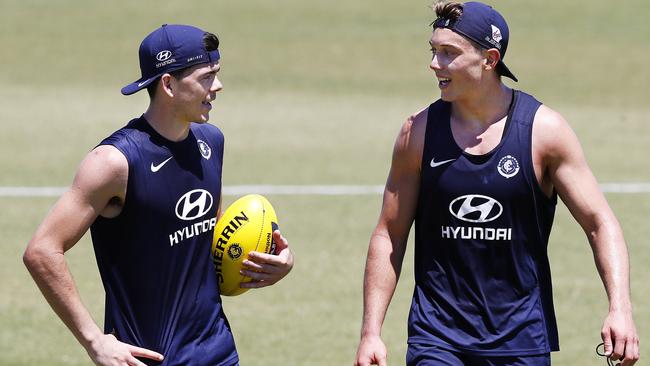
(451, 10)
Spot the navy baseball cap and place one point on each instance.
(169, 48)
(483, 25)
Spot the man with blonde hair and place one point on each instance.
(479, 172)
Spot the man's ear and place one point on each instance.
(492, 57)
(166, 81)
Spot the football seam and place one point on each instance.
(258, 237)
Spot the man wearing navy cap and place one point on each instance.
(149, 194)
(479, 172)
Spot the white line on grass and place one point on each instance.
(311, 190)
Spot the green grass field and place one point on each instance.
(315, 92)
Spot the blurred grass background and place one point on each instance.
(315, 92)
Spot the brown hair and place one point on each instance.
(451, 10)
(448, 9)
(211, 43)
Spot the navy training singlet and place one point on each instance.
(154, 257)
(482, 277)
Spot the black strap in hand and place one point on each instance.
(599, 353)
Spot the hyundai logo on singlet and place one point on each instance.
(475, 208)
(193, 204)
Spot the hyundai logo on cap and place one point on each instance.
(169, 48)
(163, 55)
(483, 25)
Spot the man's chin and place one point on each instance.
(446, 97)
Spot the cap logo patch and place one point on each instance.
(496, 34)
(163, 55)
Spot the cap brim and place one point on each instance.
(138, 85)
(504, 71)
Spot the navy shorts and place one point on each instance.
(427, 355)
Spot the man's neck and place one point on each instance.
(484, 108)
(166, 123)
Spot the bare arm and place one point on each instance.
(98, 188)
(566, 170)
(388, 240)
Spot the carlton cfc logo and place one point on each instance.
(205, 149)
(475, 208)
(508, 166)
(193, 204)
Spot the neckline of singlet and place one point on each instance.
(159, 139)
(481, 159)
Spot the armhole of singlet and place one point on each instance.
(111, 141)
(425, 146)
(429, 133)
(536, 186)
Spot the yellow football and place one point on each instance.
(246, 225)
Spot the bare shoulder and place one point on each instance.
(416, 123)
(98, 188)
(102, 174)
(402, 185)
(552, 134)
(106, 161)
(548, 122)
(410, 141)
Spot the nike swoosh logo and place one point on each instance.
(439, 163)
(141, 84)
(155, 168)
